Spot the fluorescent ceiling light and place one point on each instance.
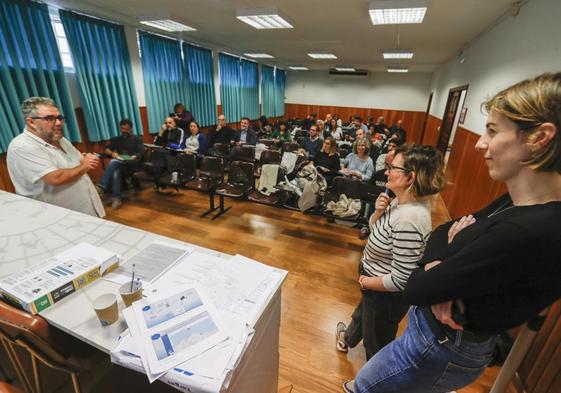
(384, 12)
(398, 69)
(398, 54)
(298, 68)
(345, 69)
(259, 55)
(272, 21)
(322, 55)
(167, 25)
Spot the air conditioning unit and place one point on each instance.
(357, 74)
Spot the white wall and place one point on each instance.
(515, 49)
(380, 90)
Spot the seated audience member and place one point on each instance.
(327, 161)
(263, 128)
(309, 121)
(359, 124)
(196, 142)
(380, 161)
(398, 130)
(399, 229)
(311, 145)
(338, 119)
(327, 122)
(380, 127)
(358, 164)
(182, 116)
(336, 130)
(223, 133)
(44, 165)
(321, 128)
(170, 135)
(359, 134)
(491, 271)
(245, 135)
(125, 151)
(281, 134)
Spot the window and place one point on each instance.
(62, 43)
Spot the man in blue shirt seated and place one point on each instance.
(126, 152)
(245, 135)
(311, 145)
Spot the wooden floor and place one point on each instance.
(320, 290)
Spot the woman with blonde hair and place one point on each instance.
(398, 232)
(490, 271)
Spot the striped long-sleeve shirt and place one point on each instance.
(397, 242)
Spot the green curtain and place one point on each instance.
(230, 87)
(104, 73)
(250, 89)
(268, 91)
(162, 71)
(280, 80)
(200, 83)
(30, 66)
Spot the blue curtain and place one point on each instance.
(162, 70)
(280, 78)
(230, 87)
(268, 91)
(200, 83)
(250, 89)
(30, 66)
(104, 73)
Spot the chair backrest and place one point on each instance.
(343, 152)
(301, 134)
(270, 157)
(185, 164)
(212, 166)
(290, 146)
(243, 153)
(351, 187)
(18, 325)
(220, 150)
(241, 174)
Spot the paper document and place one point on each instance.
(176, 326)
(150, 263)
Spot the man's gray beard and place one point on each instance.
(49, 138)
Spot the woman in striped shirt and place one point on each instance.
(399, 229)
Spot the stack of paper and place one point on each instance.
(180, 336)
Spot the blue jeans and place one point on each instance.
(417, 363)
(112, 177)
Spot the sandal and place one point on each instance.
(340, 341)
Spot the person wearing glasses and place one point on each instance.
(44, 165)
(399, 228)
(491, 271)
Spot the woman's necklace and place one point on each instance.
(506, 206)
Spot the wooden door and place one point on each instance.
(448, 118)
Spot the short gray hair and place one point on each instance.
(29, 106)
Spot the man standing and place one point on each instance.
(44, 165)
(182, 116)
(222, 134)
(126, 152)
(245, 135)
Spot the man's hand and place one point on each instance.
(463, 222)
(114, 154)
(90, 161)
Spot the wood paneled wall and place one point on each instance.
(412, 121)
(470, 187)
(432, 131)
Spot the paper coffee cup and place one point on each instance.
(106, 309)
(128, 296)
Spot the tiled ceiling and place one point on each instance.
(341, 27)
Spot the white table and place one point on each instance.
(32, 231)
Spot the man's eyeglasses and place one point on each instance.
(50, 118)
(391, 167)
